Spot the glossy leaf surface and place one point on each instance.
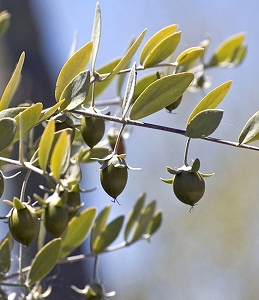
(204, 123)
(212, 99)
(160, 94)
(77, 231)
(44, 261)
(74, 65)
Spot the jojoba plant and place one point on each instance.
(73, 134)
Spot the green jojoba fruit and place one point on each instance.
(92, 129)
(189, 187)
(24, 224)
(114, 176)
(74, 202)
(55, 216)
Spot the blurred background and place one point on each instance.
(212, 252)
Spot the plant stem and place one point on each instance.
(118, 139)
(186, 152)
(96, 260)
(162, 128)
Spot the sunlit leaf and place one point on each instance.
(99, 224)
(204, 123)
(45, 144)
(44, 262)
(7, 129)
(155, 40)
(226, 51)
(108, 234)
(160, 94)
(74, 65)
(76, 91)
(12, 84)
(60, 156)
(189, 56)
(250, 132)
(143, 83)
(48, 112)
(212, 99)
(76, 231)
(134, 216)
(163, 50)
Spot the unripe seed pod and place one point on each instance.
(24, 225)
(114, 176)
(189, 187)
(55, 216)
(74, 202)
(92, 130)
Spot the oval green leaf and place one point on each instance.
(160, 94)
(108, 234)
(76, 91)
(250, 132)
(212, 99)
(204, 123)
(7, 129)
(189, 56)
(162, 50)
(143, 83)
(44, 261)
(59, 161)
(155, 223)
(74, 65)
(76, 231)
(45, 144)
(96, 35)
(5, 257)
(155, 40)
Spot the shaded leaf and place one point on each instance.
(11, 112)
(76, 231)
(204, 123)
(108, 234)
(250, 132)
(96, 35)
(143, 83)
(163, 50)
(99, 224)
(212, 99)
(144, 220)
(5, 257)
(7, 129)
(155, 40)
(134, 216)
(74, 65)
(189, 56)
(48, 112)
(129, 90)
(5, 19)
(226, 51)
(86, 155)
(45, 144)
(59, 161)
(155, 223)
(76, 91)
(160, 94)
(12, 84)
(44, 261)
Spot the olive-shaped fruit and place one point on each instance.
(24, 224)
(114, 176)
(189, 187)
(92, 130)
(74, 202)
(55, 218)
